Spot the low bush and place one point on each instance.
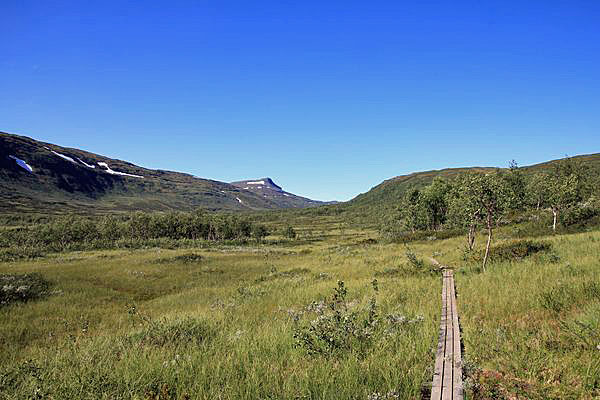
(579, 215)
(22, 287)
(20, 253)
(407, 237)
(417, 265)
(191, 258)
(515, 250)
(341, 329)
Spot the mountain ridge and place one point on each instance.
(64, 179)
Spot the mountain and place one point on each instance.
(267, 189)
(43, 177)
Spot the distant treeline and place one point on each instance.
(72, 232)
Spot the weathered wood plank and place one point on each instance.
(457, 384)
(447, 381)
(438, 372)
(447, 377)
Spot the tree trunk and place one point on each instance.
(471, 238)
(489, 240)
(555, 214)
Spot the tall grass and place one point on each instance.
(152, 324)
(224, 321)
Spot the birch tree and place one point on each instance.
(463, 211)
(564, 186)
(484, 197)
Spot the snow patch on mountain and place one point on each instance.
(86, 164)
(256, 183)
(112, 172)
(238, 199)
(64, 157)
(22, 164)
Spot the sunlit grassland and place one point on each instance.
(532, 327)
(153, 324)
(79, 338)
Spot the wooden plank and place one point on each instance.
(447, 377)
(457, 389)
(449, 354)
(438, 372)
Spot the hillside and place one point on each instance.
(387, 193)
(385, 197)
(43, 177)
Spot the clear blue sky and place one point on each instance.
(328, 98)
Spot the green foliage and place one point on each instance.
(340, 330)
(580, 215)
(404, 237)
(516, 185)
(190, 258)
(259, 232)
(75, 232)
(517, 250)
(20, 253)
(565, 185)
(426, 209)
(22, 287)
(289, 232)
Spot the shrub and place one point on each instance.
(22, 287)
(191, 258)
(20, 253)
(513, 251)
(579, 215)
(289, 232)
(417, 265)
(407, 237)
(339, 329)
(518, 250)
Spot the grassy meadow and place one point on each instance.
(271, 321)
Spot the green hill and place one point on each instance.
(384, 198)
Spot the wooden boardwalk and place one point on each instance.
(447, 374)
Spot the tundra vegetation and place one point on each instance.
(308, 304)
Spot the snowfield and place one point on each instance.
(22, 164)
(112, 172)
(256, 183)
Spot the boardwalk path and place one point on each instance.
(447, 374)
